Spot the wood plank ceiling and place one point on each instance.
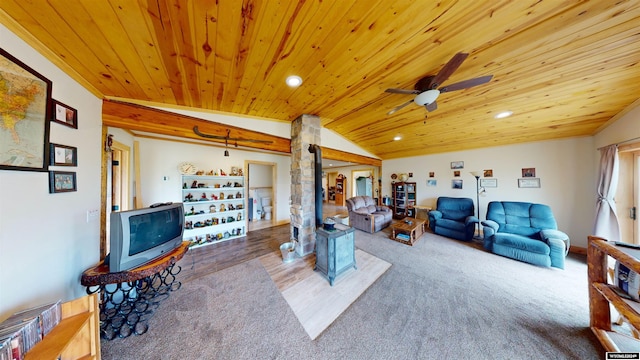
(565, 68)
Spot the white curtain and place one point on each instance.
(606, 223)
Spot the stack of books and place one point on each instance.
(403, 237)
(20, 332)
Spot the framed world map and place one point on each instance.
(25, 110)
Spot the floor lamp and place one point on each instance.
(479, 190)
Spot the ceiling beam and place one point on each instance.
(137, 117)
(333, 154)
(141, 118)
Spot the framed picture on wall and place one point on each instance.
(456, 184)
(529, 183)
(457, 164)
(26, 113)
(64, 114)
(62, 181)
(529, 172)
(62, 155)
(491, 183)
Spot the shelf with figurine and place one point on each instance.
(214, 238)
(214, 207)
(212, 198)
(211, 182)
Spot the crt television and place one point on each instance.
(141, 235)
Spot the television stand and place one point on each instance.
(129, 298)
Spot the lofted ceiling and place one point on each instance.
(565, 68)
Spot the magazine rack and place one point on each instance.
(129, 298)
(75, 337)
(602, 295)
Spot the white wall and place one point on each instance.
(159, 159)
(328, 137)
(260, 175)
(626, 128)
(45, 240)
(565, 168)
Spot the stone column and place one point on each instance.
(305, 130)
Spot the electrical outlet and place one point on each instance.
(92, 215)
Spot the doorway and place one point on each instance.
(118, 183)
(362, 183)
(628, 193)
(262, 190)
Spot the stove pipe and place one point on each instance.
(317, 151)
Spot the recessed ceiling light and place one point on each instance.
(294, 80)
(504, 114)
(397, 138)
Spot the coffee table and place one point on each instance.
(413, 228)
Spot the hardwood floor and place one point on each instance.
(205, 260)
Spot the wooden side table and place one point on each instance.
(413, 230)
(129, 298)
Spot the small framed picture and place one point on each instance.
(432, 174)
(456, 184)
(456, 173)
(529, 183)
(432, 182)
(457, 164)
(488, 173)
(491, 183)
(529, 172)
(62, 155)
(62, 181)
(64, 114)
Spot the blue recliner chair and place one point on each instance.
(454, 218)
(525, 231)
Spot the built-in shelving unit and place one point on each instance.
(602, 295)
(403, 199)
(214, 208)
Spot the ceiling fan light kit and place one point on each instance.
(427, 97)
(428, 88)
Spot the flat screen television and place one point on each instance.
(141, 235)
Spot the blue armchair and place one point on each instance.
(454, 218)
(525, 231)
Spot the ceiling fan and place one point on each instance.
(428, 88)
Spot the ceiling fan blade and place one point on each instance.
(431, 107)
(466, 84)
(399, 107)
(447, 70)
(402, 91)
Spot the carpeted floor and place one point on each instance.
(440, 299)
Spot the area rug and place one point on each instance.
(313, 300)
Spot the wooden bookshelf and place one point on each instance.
(602, 295)
(341, 186)
(77, 336)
